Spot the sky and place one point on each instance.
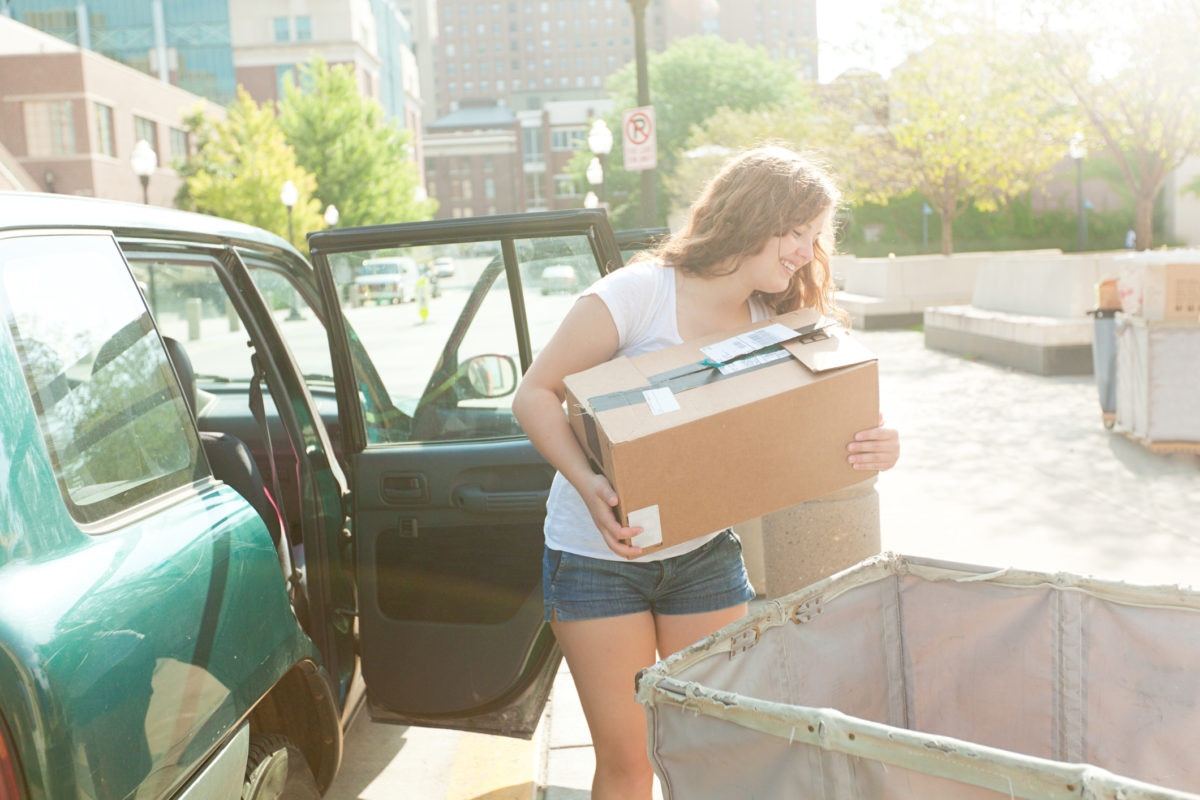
(840, 25)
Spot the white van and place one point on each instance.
(391, 279)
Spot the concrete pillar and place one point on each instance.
(810, 541)
(191, 311)
(750, 532)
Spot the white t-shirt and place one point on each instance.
(641, 299)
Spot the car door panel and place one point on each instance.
(449, 498)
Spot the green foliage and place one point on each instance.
(362, 161)
(1014, 226)
(689, 82)
(964, 130)
(1135, 83)
(240, 168)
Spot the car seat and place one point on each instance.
(228, 456)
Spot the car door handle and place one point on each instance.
(476, 499)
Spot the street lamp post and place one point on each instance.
(925, 212)
(289, 195)
(600, 142)
(1078, 150)
(595, 176)
(144, 161)
(331, 215)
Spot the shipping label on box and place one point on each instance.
(704, 435)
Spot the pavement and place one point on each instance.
(997, 468)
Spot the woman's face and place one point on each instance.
(780, 257)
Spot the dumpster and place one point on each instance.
(903, 677)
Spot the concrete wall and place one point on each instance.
(1027, 311)
(894, 292)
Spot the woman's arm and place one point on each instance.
(587, 337)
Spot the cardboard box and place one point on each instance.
(1159, 290)
(692, 448)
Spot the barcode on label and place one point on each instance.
(748, 342)
(752, 361)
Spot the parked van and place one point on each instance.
(386, 280)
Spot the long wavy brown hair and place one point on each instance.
(759, 194)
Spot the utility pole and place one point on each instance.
(649, 202)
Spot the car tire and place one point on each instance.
(277, 770)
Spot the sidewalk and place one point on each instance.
(998, 468)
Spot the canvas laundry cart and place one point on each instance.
(912, 678)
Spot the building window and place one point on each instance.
(104, 130)
(146, 129)
(49, 128)
(450, 50)
(489, 188)
(533, 191)
(179, 143)
(565, 186)
(285, 75)
(568, 139)
(304, 29)
(282, 28)
(531, 145)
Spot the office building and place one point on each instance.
(209, 47)
(69, 119)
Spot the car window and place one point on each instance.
(189, 304)
(110, 409)
(449, 356)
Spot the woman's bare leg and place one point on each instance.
(604, 656)
(674, 632)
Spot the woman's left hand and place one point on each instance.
(875, 448)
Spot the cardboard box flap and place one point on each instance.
(829, 348)
(736, 355)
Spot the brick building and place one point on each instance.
(69, 118)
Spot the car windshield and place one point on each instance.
(380, 268)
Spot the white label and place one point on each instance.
(753, 361)
(646, 519)
(660, 401)
(749, 342)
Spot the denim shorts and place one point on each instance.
(709, 578)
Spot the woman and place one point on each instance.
(756, 245)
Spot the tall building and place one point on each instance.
(209, 47)
(528, 53)
(784, 28)
(69, 119)
(182, 42)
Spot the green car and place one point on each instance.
(239, 506)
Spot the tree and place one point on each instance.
(1135, 85)
(362, 161)
(241, 165)
(689, 82)
(964, 129)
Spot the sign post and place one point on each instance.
(641, 139)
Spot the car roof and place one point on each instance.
(25, 210)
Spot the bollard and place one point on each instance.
(811, 541)
(192, 313)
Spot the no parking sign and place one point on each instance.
(640, 139)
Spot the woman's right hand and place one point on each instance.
(601, 501)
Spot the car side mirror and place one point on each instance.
(489, 375)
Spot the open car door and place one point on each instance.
(448, 495)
